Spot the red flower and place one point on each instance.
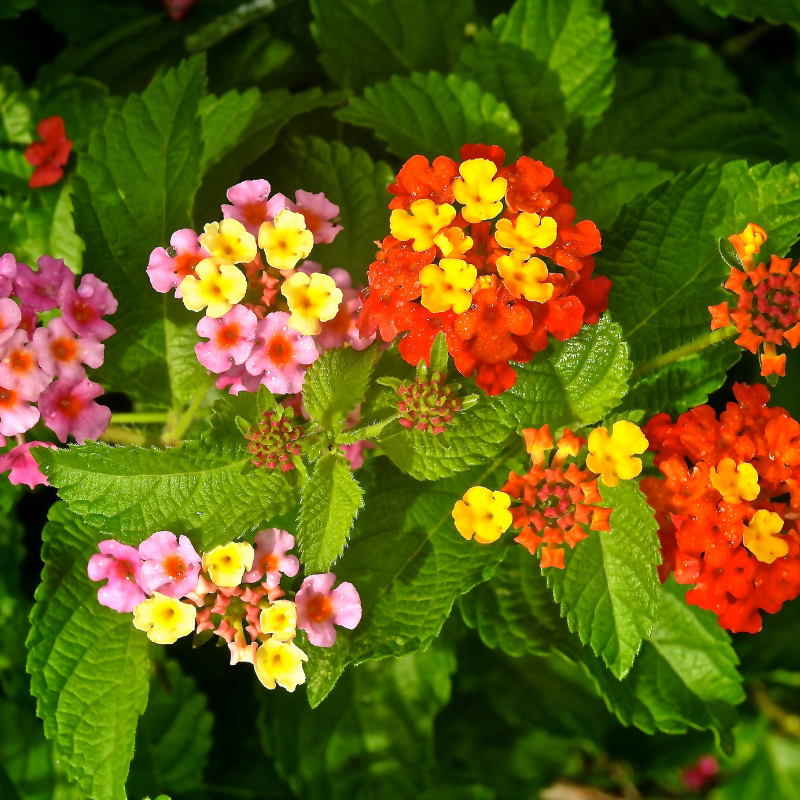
(491, 152)
(49, 155)
(418, 180)
(423, 327)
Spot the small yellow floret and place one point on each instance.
(280, 619)
(525, 278)
(164, 619)
(761, 539)
(227, 563)
(612, 456)
(483, 514)
(422, 223)
(286, 240)
(526, 233)
(447, 285)
(735, 483)
(280, 663)
(228, 242)
(479, 191)
(453, 243)
(312, 299)
(218, 286)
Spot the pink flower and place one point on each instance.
(280, 354)
(342, 328)
(84, 307)
(171, 565)
(178, 10)
(238, 379)
(40, 289)
(165, 271)
(319, 606)
(270, 557)
(318, 212)
(29, 321)
(23, 466)
(69, 407)
(10, 318)
(16, 413)
(122, 565)
(252, 204)
(8, 272)
(355, 452)
(19, 367)
(230, 336)
(61, 353)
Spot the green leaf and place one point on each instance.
(365, 41)
(329, 503)
(550, 61)
(663, 258)
(14, 172)
(774, 11)
(349, 178)
(601, 186)
(88, 664)
(573, 383)
(16, 118)
(174, 735)
(408, 563)
(672, 106)
(336, 382)
(685, 677)
(433, 115)
(207, 492)
(136, 187)
(609, 588)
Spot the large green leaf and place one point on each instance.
(609, 588)
(88, 664)
(433, 115)
(775, 11)
(365, 41)
(16, 119)
(136, 186)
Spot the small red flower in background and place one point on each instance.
(49, 155)
(178, 10)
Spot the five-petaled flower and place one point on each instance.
(421, 224)
(227, 563)
(479, 190)
(612, 456)
(312, 299)
(483, 514)
(286, 240)
(446, 286)
(164, 619)
(215, 287)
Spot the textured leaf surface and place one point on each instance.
(16, 119)
(206, 492)
(329, 503)
(775, 11)
(433, 115)
(365, 41)
(572, 383)
(136, 186)
(88, 664)
(609, 588)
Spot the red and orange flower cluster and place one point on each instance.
(728, 506)
(464, 258)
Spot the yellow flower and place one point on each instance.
(483, 514)
(612, 456)
(477, 191)
(453, 243)
(760, 536)
(280, 619)
(446, 285)
(525, 278)
(312, 299)
(422, 224)
(228, 242)
(227, 563)
(218, 286)
(286, 240)
(281, 663)
(735, 483)
(526, 233)
(164, 619)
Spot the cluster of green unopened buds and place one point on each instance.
(427, 403)
(273, 441)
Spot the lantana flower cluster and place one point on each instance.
(232, 591)
(465, 257)
(728, 505)
(269, 312)
(42, 366)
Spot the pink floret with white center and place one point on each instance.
(252, 204)
(62, 354)
(84, 307)
(342, 328)
(10, 319)
(122, 566)
(238, 379)
(23, 466)
(318, 212)
(8, 273)
(271, 559)
(230, 339)
(40, 290)
(165, 271)
(16, 413)
(68, 407)
(320, 606)
(171, 565)
(19, 367)
(280, 355)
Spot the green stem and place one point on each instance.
(175, 433)
(140, 418)
(695, 346)
(117, 434)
